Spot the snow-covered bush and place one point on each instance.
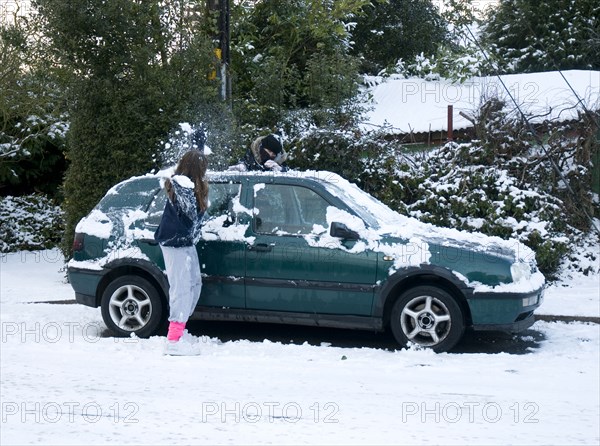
(508, 184)
(33, 123)
(335, 150)
(584, 257)
(456, 64)
(531, 36)
(453, 188)
(366, 159)
(29, 222)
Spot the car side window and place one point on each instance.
(287, 209)
(220, 202)
(312, 207)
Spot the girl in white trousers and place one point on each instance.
(185, 281)
(177, 235)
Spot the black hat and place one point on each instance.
(272, 143)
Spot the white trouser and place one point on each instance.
(185, 281)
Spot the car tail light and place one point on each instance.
(78, 242)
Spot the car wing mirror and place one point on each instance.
(342, 231)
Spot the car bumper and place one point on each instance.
(86, 299)
(514, 327)
(511, 312)
(85, 284)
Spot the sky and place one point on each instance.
(64, 381)
(22, 7)
(8, 9)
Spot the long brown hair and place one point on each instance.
(193, 165)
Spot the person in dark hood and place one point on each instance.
(265, 153)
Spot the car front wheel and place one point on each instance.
(427, 316)
(131, 304)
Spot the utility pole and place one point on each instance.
(220, 9)
(450, 136)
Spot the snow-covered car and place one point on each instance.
(304, 248)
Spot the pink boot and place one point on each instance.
(175, 331)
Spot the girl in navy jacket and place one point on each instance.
(177, 235)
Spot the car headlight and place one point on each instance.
(531, 300)
(520, 271)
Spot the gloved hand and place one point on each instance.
(272, 165)
(238, 168)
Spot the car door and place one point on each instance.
(290, 266)
(221, 258)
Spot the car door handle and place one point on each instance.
(261, 247)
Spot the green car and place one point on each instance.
(304, 248)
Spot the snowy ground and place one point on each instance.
(63, 383)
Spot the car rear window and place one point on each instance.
(131, 194)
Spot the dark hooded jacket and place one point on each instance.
(182, 220)
(256, 159)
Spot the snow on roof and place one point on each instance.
(416, 105)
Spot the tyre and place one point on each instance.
(132, 304)
(427, 316)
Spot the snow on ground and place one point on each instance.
(579, 296)
(63, 383)
(417, 105)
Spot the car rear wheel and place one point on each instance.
(131, 304)
(427, 316)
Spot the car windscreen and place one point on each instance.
(371, 210)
